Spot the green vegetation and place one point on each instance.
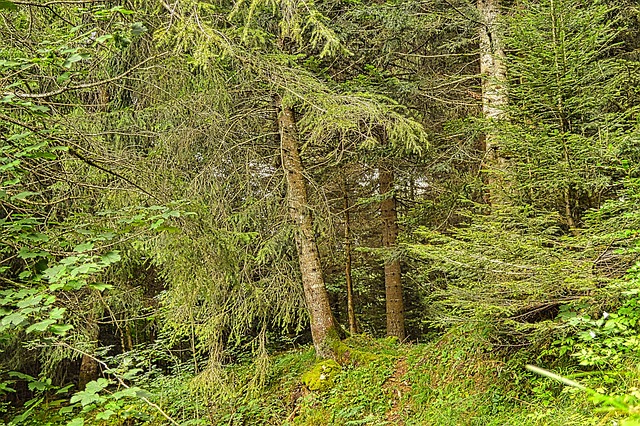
(453, 380)
(319, 212)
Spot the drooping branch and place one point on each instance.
(82, 86)
(75, 153)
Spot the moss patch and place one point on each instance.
(322, 376)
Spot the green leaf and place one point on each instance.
(21, 376)
(78, 421)
(25, 274)
(64, 389)
(157, 223)
(96, 386)
(37, 237)
(76, 57)
(15, 318)
(138, 28)
(133, 392)
(63, 77)
(104, 38)
(10, 166)
(60, 329)
(39, 385)
(7, 5)
(4, 387)
(39, 108)
(31, 301)
(131, 374)
(85, 268)
(75, 284)
(57, 313)
(53, 274)
(105, 415)
(85, 398)
(66, 410)
(111, 257)
(13, 181)
(71, 260)
(56, 286)
(19, 136)
(122, 10)
(23, 196)
(27, 253)
(40, 326)
(8, 64)
(83, 247)
(100, 286)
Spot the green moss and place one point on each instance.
(322, 376)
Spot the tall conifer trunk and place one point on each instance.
(392, 273)
(351, 313)
(494, 94)
(323, 324)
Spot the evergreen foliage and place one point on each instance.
(151, 260)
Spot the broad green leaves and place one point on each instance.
(90, 394)
(96, 400)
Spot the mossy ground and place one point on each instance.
(381, 382)
(454, 380)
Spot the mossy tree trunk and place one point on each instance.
(323, 324)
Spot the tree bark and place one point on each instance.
(323, 324)
(88, 365)
(392, 272)
(494, 95)
(351, 313)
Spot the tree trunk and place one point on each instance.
(323, 324)
(88, 365)
(351, 314)
(392, 273)
(494, 94)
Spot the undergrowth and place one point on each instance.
(457, 379)
(454, 380)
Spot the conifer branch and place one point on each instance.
(76, 154)
(82, 86)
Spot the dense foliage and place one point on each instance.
(319, 212)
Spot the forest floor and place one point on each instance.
(381, 382)
(456, 379)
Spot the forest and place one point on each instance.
(319, 212)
